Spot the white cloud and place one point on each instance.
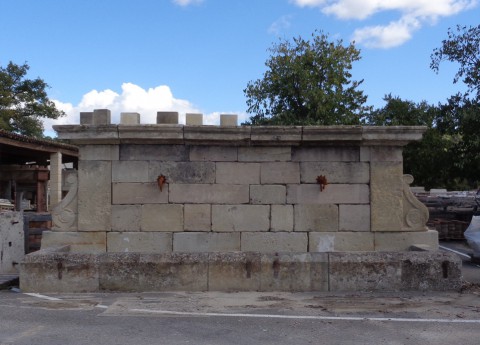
(280, 25)
(133, 98)
(187, 2)
(412, 15)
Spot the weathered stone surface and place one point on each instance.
(139, 193)
(162, 217)
(270, 242)
(264, 154)
(65, 213)
(148, 134)
(281, 218)
(228, 120)
(99, 152)
(88, 134)
(335, 172)
(139, 242)
(182, 172)
(209, 193)
(174, 153)
(206, 242)
(126, 217)
(401, 241)
(130, 171)
(279, 134)
(332, 194)
(329, 134)
(193, 119)
(129, 118)
(341, 241)
(234, 271)
(280, 172)
(101, 117)
(94, 195)
(227, 135)
(213, 153)
(326, 154)
(415, 213)
(240, 218)
(167, 117)
(79, 242)
(12, 241)
(392, 135)
(381, 154)
(197, 217)
(386, 185)
(316, 217)
(86, 118)
(42, 272)
(238, 173)
(354, 217)
(294, 272)
(268, 194)
(394, 271)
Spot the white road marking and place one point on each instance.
(455, 251)
(59, 299)
(303, 317)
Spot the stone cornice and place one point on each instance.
(240, 135)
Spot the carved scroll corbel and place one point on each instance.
(64, 215)
(415, 214)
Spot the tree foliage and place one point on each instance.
(307, 83)
(462, 47)
(24, 102)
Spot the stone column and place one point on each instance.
(55, 179)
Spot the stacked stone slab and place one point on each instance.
(233, 188)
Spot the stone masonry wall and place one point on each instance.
(239, 189)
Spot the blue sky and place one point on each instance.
(199, 55)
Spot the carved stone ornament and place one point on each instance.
(415, 214)
(64, 215)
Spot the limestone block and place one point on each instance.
(197, 217)
(86, 118)
(101, 117)
(270, 242)
(147, 134)
(129, 118)
(228, 120)
(381, 154)
(316, 217)
(401, 241)
(281, 218)
(182, 172)
(130, 171)
(162, 217)
(280, 172)
(294, 272)
(415, 213)
(354, 218)
(79, 242)
(167, 117)
(332, 194)
(99, 152)
(240, 218)
(209, 193)
(174, 153)
(213, 153)
(237, 173)
(326, 154)
(332, 134)
(264, 154)
(94, 195)
(268, 194)
(234, 271)
(65, 213)
(138, 193)
(59, 272)
(139, 242)
(386, 184)
(193, 119)
(281, 135)
(217, 135)
(341, 241)
(126, 217)
(206, 242)
(335, 172)
(12, 241)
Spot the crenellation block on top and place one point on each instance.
(192, 119)
(101, 117)
(167, 117)
(228, 120)
(129, 118)
(86, 118)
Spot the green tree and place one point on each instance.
(462, 47)
(307, 83)
(24, 102)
